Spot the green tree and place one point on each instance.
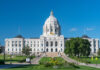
(77, 47)
(0, 50)
(26, 50)
(99, 52)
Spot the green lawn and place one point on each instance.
(14, 58)
(87, 60)
(41, 67)
(64, 66)
(48, 59)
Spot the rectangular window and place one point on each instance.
(12, 49)
(8, 49)
(8, 45)
(94, 50)
(19, 49)
(34, 50)
(31, 45)
(16, 49)
(12, 41)
(38, 45)
(61, 45)
(42, 45)
(24, 41)
(15, 41)
(31, 41)
(16, 45)
(12, 45)
(19, 41)
(8, 42)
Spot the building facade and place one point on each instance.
(50, 41)
(94, 44)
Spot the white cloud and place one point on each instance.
(89, 29)
(73, 29)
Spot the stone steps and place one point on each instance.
(51, 54)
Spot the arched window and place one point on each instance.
(46, 43)
(56, 50)
(47, 50)
(56, 43)
(55, 30)
(51, 43)
(51, 50)
(61, 49)
(51, 29)
(61, 44)
(42, 49)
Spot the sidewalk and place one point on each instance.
(79, 63)
(11, 66)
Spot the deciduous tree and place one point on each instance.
(77, 47)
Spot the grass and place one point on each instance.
(14, 58)
(41, 67)
(48, 59)
(87, 60)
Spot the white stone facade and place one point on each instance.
(50, 41)
(94, 44)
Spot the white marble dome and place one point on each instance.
(51, 26)
(51, 19)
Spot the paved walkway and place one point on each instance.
(34, 61)
(37, 59)
(11, 66)
(79, 63)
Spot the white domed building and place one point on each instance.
(50, 42)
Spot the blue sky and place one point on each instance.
(76, 17)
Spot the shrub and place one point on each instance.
(47, 64)
(1, 62)
(31, 57)
(22, 60)
(73, 65)
(47, 61)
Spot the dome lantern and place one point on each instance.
(51, 13)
